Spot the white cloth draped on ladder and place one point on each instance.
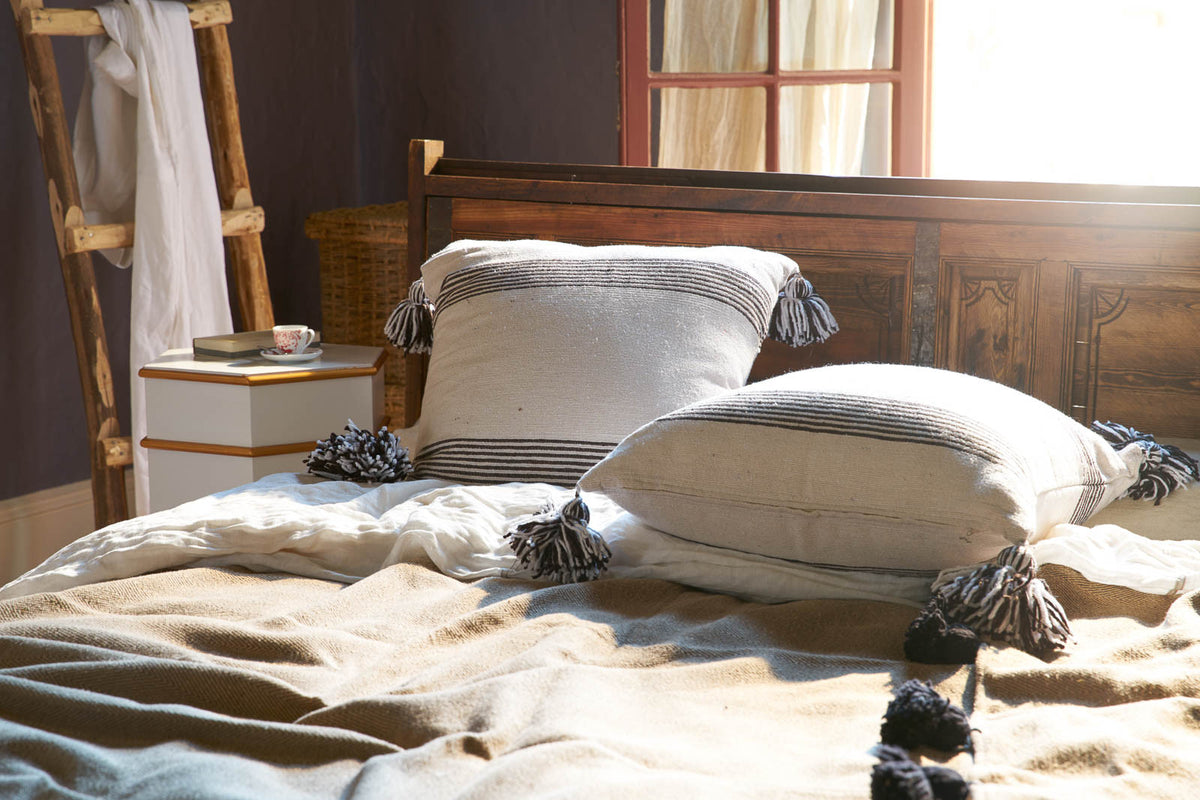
(142, 154)
(822, 129)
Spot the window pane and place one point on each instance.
(840, 129)
(712, 128)
(835, 34)
(708, 35)
(1098, 91)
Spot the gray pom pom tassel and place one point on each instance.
(1005, 600)
(360, 456)
(1165, 469)
(801, 316)
(560, 544)
(410, 326)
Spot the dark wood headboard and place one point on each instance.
(1087, 297)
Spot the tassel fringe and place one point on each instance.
(930, 639)
(1165, 469)
(410, 326)
(560, 544)
(1005, 601)
(360, 456)
(801, 316)
(898, 777)
(918, 716)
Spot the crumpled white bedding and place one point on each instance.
(344, 531)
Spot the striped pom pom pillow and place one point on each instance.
(879, 467)
(545, 355)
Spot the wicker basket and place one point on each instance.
(364, 260)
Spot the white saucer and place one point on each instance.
(271, 354)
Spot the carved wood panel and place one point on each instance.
(987, 319)
(1136, 355)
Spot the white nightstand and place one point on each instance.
(213, 424)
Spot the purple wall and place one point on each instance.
(330, 95)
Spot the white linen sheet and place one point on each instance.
(343, 531)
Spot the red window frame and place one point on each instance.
(909, 77)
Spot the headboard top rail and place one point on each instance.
(1160, 207)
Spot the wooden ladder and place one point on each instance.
(241, 220)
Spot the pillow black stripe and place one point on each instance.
(504, 444)
(878, 418)
(916, 415)
(708, 288)
(499, 461)
(915, 418)
(1089, 501)
(468, 476)
(729, 287)
(750, 310)
(656, 272)
(559, 461)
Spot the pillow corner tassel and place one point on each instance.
(561, 544)
(360, 456)
(1164, 467)
(919, 717)
(801, 316)
(410, 325)
(1006, 601)
(898, 777)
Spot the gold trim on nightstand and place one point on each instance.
(266, 378)
(228, 449)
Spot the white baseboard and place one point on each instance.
(35, 526)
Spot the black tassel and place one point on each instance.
(1006, 601)
(946, 783)
(410, 326)
(920, 717)
(898, 777)
(360, 456)
(932, 640)
(1165, 469)
(560, 544)
(801, 316)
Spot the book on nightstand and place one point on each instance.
(237, 345)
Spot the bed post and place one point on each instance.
(423, 154)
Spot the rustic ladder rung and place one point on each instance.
(118, 451)
(86, 22)
(84, 238)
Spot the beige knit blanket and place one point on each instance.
(222, 683)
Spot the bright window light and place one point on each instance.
(1093, 91)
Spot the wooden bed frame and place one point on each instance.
(1087, 297)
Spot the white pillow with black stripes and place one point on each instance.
(545, 355)
(881, 467)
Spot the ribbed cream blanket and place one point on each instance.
(221, 683)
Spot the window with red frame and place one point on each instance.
(829, 86)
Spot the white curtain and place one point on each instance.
(822, 129)
(141, 152)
